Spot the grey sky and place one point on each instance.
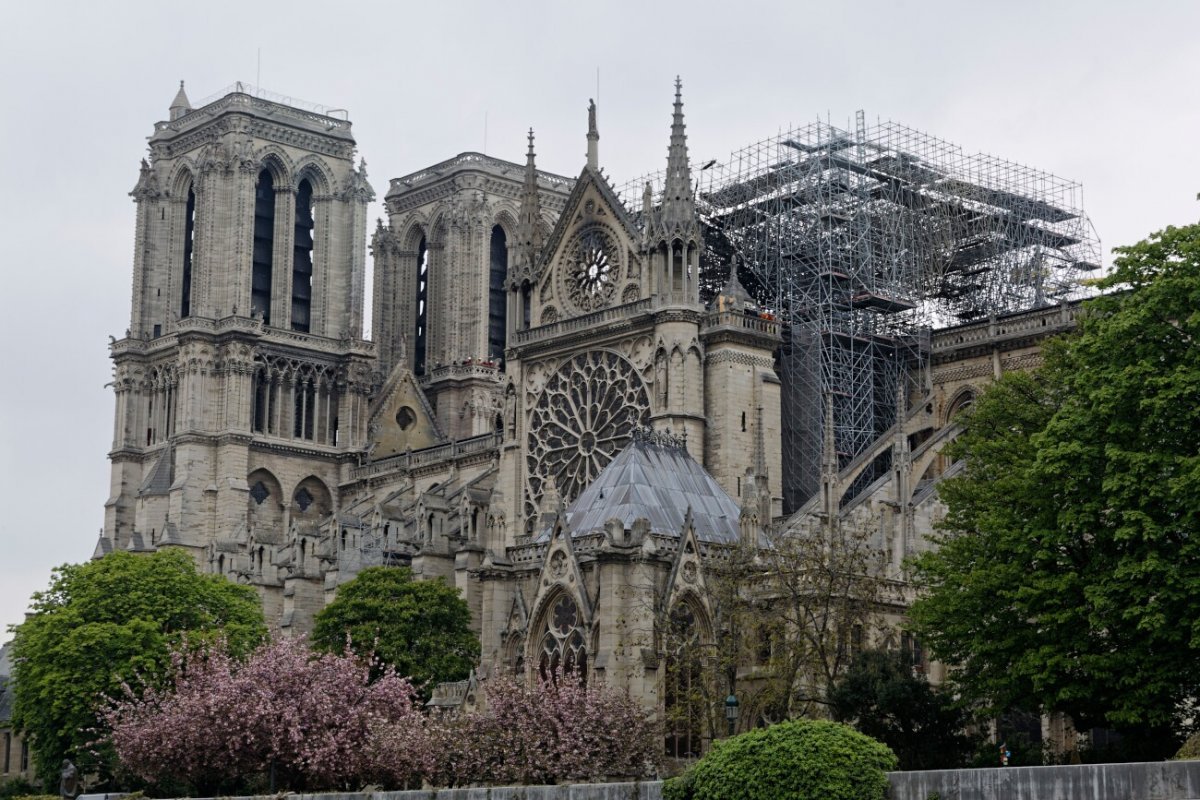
(1104, 93)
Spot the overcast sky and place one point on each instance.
(1103, 93)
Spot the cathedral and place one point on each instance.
(546, 414)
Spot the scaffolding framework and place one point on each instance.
(865, 239)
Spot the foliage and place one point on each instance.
(16, 787)
(1190, 749)
(101, 623)
(882, 697)
(1071, 586)
(793, 609)
(420, 628)
(802, 759)
(306, 715)
(557, 730)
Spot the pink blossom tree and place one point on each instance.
(307, 717)
(554, 731)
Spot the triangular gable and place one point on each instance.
(687, 574)
(591, 180)
(591, 206)
(401, 418)
(561, 569)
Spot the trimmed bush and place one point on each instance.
(803, 759)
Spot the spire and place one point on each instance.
(180, 105)
(593, 137)
(531, 211)
(678, 209)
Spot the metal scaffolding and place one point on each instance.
(864, 240)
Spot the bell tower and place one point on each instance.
(242, 380)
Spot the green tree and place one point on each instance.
(882, 697)
(107, 623)
(1069, 582)
(421, 628)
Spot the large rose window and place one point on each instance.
(584, 416)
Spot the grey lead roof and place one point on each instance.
(655, 479)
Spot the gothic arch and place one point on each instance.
(437, 228)
(960, 400)
(560, 636)
(264, 515)
(415, 229)
(276, 161)
(315, 169)
(505, 216)
(183, 176)
(311, 499)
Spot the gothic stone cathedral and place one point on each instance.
(546, 416)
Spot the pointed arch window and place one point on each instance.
(421, 334)
(497, 303)
(264, 246)
(685, 698)
(564, 648)
(189, 228)
(302, 258)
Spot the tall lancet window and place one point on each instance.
(497, 305)
(302, 259)
(421, 334)
(189, 228)
(264, 246)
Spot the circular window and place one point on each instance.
(405, 418)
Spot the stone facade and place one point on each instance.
(547, 416)
(15, 760)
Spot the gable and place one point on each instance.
(401, 418)
(591, 261)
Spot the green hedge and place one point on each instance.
(799, 760)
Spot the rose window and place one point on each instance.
(584, 416)
(592, 270)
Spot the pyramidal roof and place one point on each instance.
(655, 478)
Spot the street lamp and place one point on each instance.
(731, 711)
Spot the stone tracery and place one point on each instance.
(584, 416)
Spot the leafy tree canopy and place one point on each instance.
(883, 698)
(1071, 581)
(109, 622)
(421, 628)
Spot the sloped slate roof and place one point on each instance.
(656, 479)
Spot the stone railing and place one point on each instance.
(475, 369)
(1159, 780)
(622, 312)
(1053, 319)
(238, 97)
(1166, 780)
(429, 455)
(738, 319)
(412, 180)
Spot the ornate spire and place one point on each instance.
(530, 231)
(678, 208)
(180, 105)
(593, 137)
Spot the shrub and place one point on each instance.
(1190, 749)
(798, 760)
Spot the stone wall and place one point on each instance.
(645, 790)
(1163, 780)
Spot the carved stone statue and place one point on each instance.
(69, 785)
